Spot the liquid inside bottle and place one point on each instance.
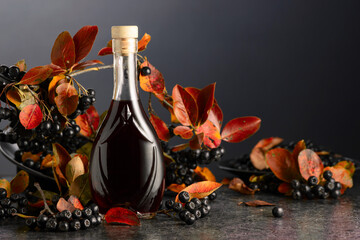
(126, 167)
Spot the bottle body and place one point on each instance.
(126, 166)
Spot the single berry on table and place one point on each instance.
(278, 212)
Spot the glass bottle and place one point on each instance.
(126, 166)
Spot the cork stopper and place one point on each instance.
(124, 32)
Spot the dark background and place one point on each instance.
(295, 64)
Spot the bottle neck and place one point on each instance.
(125, 75)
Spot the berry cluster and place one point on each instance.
(65, 221)
(191, 210)
(10, 74)
(17, 203)
(85, 101)
(312, 189)
(182, 170)
(268, 183)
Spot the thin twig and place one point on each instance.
(90, 70)
(46, 206)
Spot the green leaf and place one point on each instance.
(81, 188)
(48, 194)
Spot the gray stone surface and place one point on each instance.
(305, 219)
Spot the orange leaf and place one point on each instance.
(29, 155)
(196, 141)
(348, 166)
(63, 51)
(88, 122)
(200, 189)
(225, 181)
(64, 205)
(56, 70)
(176, 187)
(21, 64)
(239, 129)
(83, 41)
(184, 106)
(66, 99)
(205, 101)
(238, 185)
(52, 86)
(154, 82)
(105, 51)
(75, 202)
(5, 184)
(122, 215)
(30, 116)
(20, 182)
(183, 131)
(258, 203)
(298, 148)
(179, 147)
(282, 164)
(13, 96)
(142, 44)
(212, 137)
(205, 174)
(342, 175)
(257, 155)
(48, 161)
(310, 164)
(62, 156)
(284, 188)
(36, 75)
(160, 127)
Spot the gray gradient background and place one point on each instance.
(295, 64)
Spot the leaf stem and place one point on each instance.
(90, 70)
(46, 206)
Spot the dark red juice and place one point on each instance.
(126, 166)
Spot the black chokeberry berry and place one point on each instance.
(23, 201)
(197, 213)
(296, 194)
(69, 132)
(329, 186)
(190, 219)
(184, 196)
(278, 212)
(335, 193)
(4, 69)
(212, 196)
(86, 212)
(51, 224)
(23, 210)
(190, 206)
(65, 215)
(177, 207)
(183, 214)
(31, 222)
(305, 188)
(11, 211)
(204, 211)
(318, 190)
(205, 202)
(312, 181)
(76, 214)
(93, 220)
(295, 184)
(3, 193)
(15, 197)
(75, 225)
(327, 175)
(188, 180)
(254, 186)
(145, 71)
(99, 219)
(41, 221)
(91, 92)
(337, 186)
(85, 223)
(29, 163)
(197, 202)
(13, 72)
(6, 202)
(169, 204)
(64, 226)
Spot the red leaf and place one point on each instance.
(298, 148)
(62, 156)
(179, 147)
(39, 204)
(66, 99)
(310, 164)
(239, 129)
(160, 127)
(88, 122)
(31, 116)
(216, 115)
(76, 202)
(212, 137)
(105, 51)
(84, 40)
(282, 164)
(80, 66)
(63, 51)
(36, 75)
(184, 132)
(258, 203)
(194, 92)
(185, 108)
(64, 205)
(205, 101)
(200, 189)
(142, 44)
(122, 215)
(154, 82)
(238, 185)
(284, 188)
(196, 141)
(257, 155)
(56, 70)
